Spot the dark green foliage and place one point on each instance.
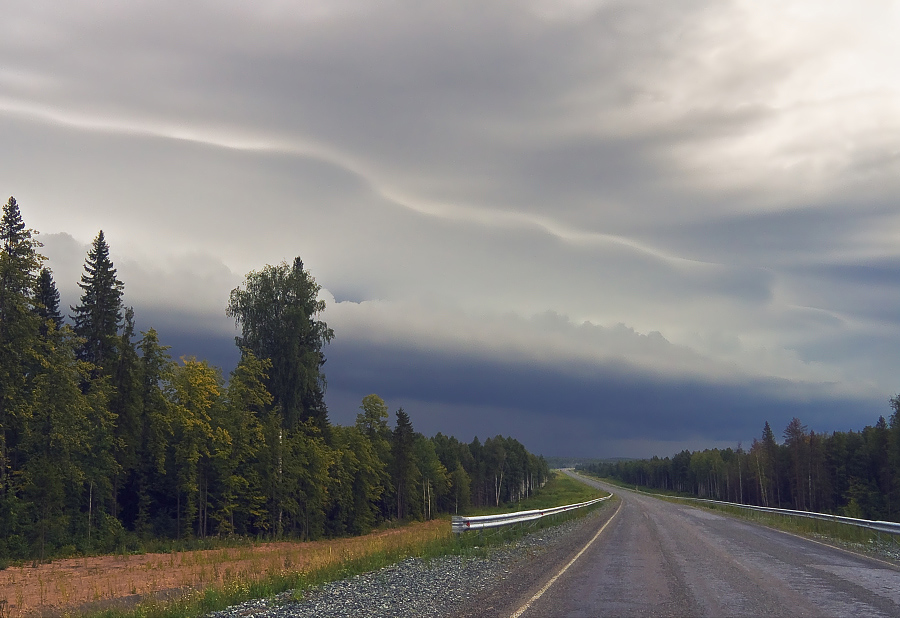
(19, 350)
(404, 471)
(47, 302)
(277, 311)
(126, 404)
(99, 313)
(56, 447)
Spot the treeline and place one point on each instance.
(852, 473)
(105, 441)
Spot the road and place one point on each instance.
(657, 558)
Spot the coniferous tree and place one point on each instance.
(56, 445)
(19, 329)
(796, 439)
(773, 470)
(149, 484)
(127, 406)
(47, 301)
(99, 314)
(404, 472)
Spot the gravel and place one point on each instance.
(416, 587)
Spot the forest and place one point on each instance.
(106, 441)
(852, 473)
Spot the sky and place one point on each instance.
(605, 228)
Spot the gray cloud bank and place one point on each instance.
(693, 193)
(612, 410)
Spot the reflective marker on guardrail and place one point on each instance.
(461, 524)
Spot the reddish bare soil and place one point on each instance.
(62, 585)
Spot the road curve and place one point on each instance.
(656, 558)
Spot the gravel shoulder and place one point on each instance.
(451, 586)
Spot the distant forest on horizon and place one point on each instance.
(106, 442)
(850, 473)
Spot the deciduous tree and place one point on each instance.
(277, 309)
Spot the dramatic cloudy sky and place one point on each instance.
(602, 227)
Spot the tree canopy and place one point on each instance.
(277, 309)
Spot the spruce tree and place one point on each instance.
(404, 472)
(98, 317)
(127, 405)
(47, 301)
(19, 264)
(156, 432)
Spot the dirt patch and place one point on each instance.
(67, 584)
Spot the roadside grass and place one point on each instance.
(268, 580)
(841, 534)
(131, 544)
(370, 554)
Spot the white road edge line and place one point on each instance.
(546, 587)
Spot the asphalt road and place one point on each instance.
(656, 558)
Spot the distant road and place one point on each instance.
(657, 558)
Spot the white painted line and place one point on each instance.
(546, 587)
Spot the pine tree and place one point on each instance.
(98, 317)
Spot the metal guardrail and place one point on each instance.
(889, 527)
(461, 524)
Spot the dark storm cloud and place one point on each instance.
(218, 349)
(613, 402)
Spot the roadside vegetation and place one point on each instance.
(301, 568)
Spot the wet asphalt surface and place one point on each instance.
(657, 558)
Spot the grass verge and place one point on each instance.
(411, 541)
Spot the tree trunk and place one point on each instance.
(90, 510)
